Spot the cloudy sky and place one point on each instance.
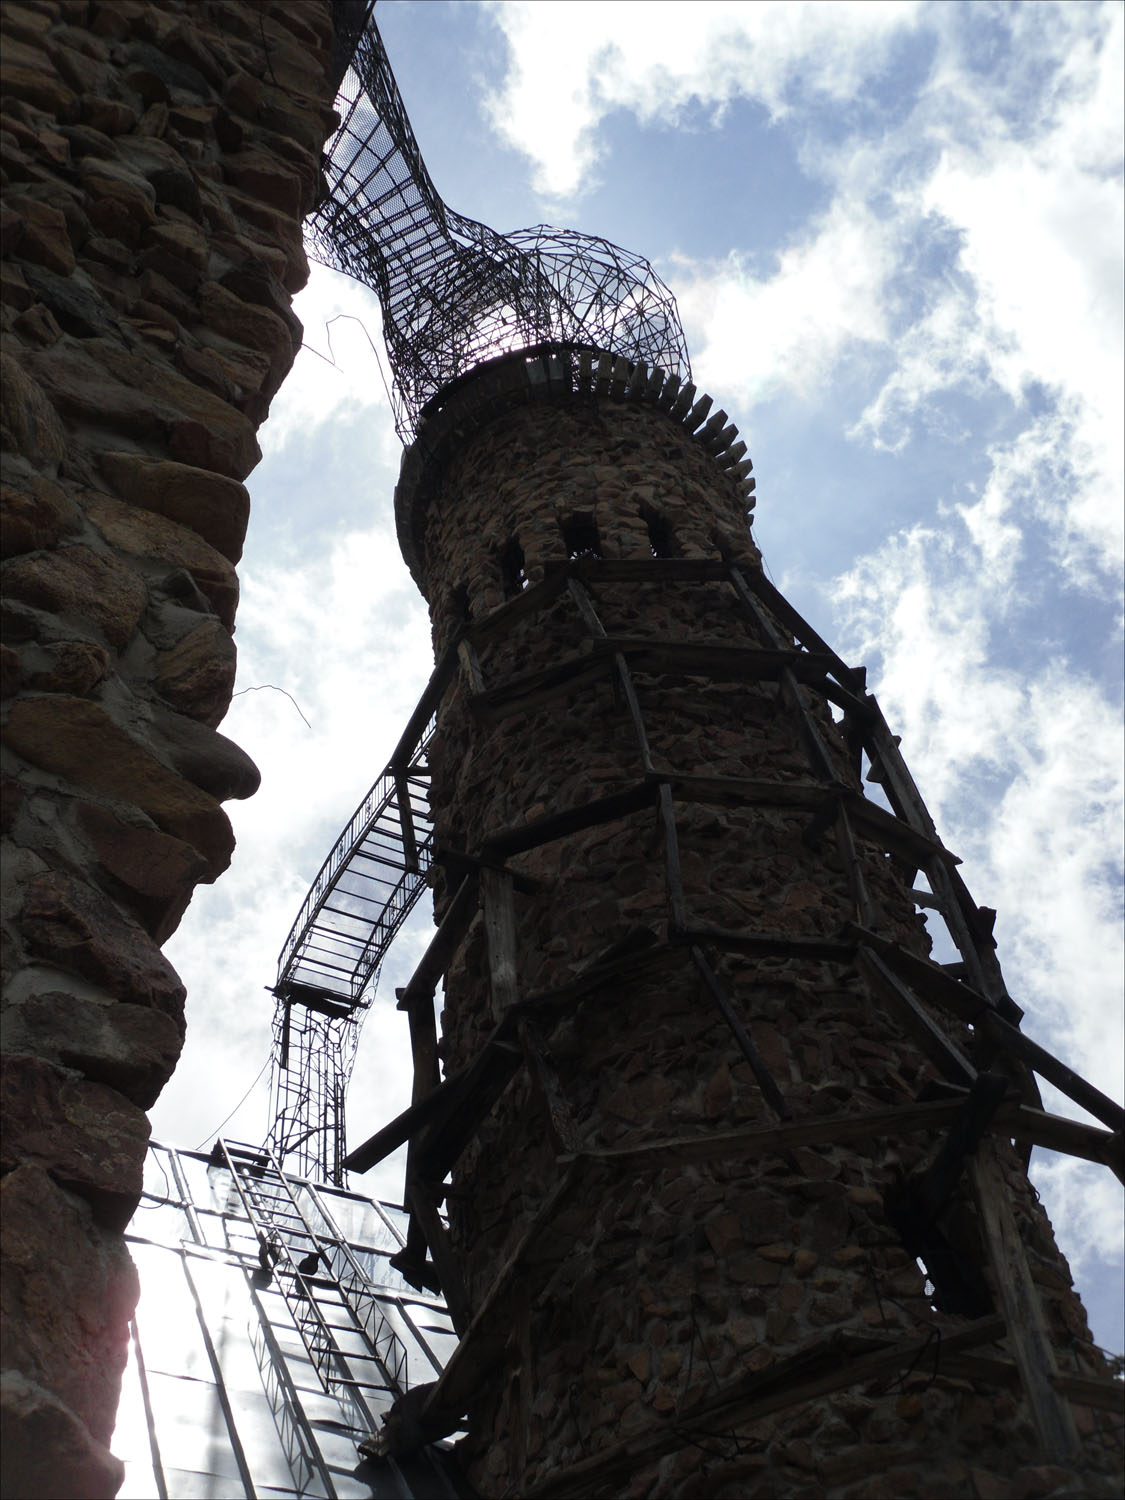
(895, 234)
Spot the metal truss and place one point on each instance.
(454, 292)
(328, 969)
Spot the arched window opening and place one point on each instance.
(513, 573)
(661, 538)
(580, 536)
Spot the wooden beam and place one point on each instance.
(672, 875)
(830, 1365)
(1028, 1334)
(420, 1202)
(766, 1082)
(500, 930)
(768, 944)
(510, 841)
(420, 987)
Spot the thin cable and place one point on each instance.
(258, 688)
(240, 1103)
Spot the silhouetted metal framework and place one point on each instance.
(328, 969)
(454, 292)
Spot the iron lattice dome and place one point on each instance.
(454, 292)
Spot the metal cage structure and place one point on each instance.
(454, 292)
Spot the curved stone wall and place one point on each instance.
(157, 159)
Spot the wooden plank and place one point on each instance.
(755, 578)
(1028, 1334)
(560, 1121)
(748, 1145)
(969, 1005)
(558, 825)
(470, 661)
(500, 930)
(769, 944)
(529, 601)
(672, 876)
(766, 1082)
(420, 987)
(585, 605)
(533, 690)
(832, 1364)
(481, 1345)
(939, 1048)
(895, 835)
(420, 1202)
(714, 660)
(406, 821)
(726, 791)
(858, 886)
(626, 679)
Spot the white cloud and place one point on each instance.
(572, 66)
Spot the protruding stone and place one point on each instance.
(158, 872)
(74, 926)
(34, 515)
(65, 1318)
(79, 740)
(29, 424)
(130, 1048)
(148, 535)
(82, 585)
(48, 1450)
(211, 504)
(76, 667)
(196, 676)
(88, 1137)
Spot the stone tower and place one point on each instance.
(735, 1174)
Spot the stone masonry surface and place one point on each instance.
(157, 160)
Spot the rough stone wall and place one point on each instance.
(657, 1285)
(157, 161)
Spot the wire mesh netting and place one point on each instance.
(453, 291)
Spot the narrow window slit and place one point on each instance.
(661, 538)
(580, 536)
(513, 573)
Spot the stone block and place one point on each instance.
(130, 1048)
(49, 1453)
(77, 583)
(151, 536)
(196, 676)
(42, 235)
(213, 505)
(75, 667)
(158, 872)
(76, 927)
(29, 424)
(66, 1317)
(89, 1137)
(79, 740)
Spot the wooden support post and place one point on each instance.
(625, 677)
(1028, 1334)
(406, 821)
(672, 859)
(420, 1201)
(471, 663)
(766, 1083)
(500, 929)
(581, 596)
(560, 1121)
